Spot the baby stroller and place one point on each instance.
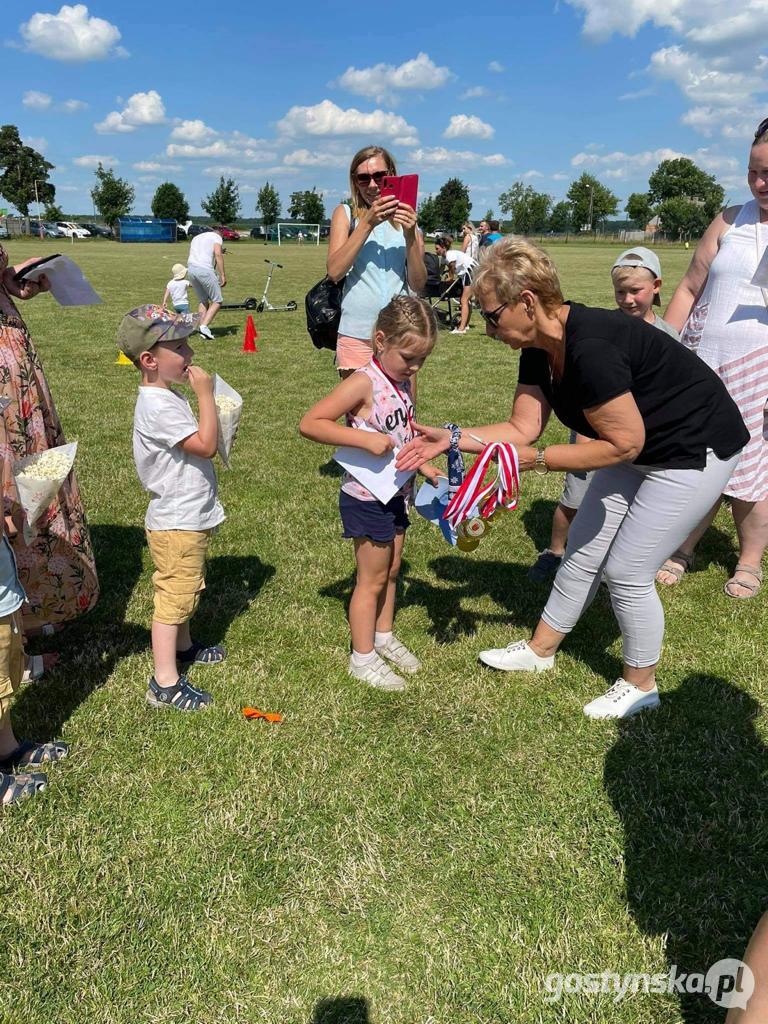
(443, 296)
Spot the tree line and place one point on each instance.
(683, 197)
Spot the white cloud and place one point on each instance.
(71, 35)
(559, 176)
(619, 165)
(93, 161)
(234, 146)
(151, 165)
(638, 94)
(36, 142)
(326, 118)
(143, 108)
(37, 100)
(475, 92)
(468, 126)
(256, 173)
(72, 106)
(440, 157)
(531, 174)
(496, 67)
(647, 158)
(381, 81)
(196, 132)
(148, 178)
(308, 158)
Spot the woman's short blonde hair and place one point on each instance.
(359, 204)
(404, 318)
(513, 265)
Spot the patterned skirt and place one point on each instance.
(57, 570)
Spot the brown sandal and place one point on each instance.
(678, 571)
(753, 588)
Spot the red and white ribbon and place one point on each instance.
(501, 491)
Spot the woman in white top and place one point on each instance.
(377, 249)
(471, 241)
(461, 266)
(723, 316)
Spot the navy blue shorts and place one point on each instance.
(373, 519)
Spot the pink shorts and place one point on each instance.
(352, 353)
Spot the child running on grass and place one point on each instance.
(173, 460)
(377, 397)
(636, 277)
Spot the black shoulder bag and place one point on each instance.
(322, 305)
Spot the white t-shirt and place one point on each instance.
(178, 290)
(182, 486)
(464, 263)
(201, 249)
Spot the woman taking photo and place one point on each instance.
(723, 317)
(665, 439)
(377, 249)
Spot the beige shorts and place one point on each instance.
(179, 577)
(352, 353)
(11, 659)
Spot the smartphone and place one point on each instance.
(405, 188)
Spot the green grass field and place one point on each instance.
(418, 858)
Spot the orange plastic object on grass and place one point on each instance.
(268, 716)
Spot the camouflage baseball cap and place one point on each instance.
(142, 328)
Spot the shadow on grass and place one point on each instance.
(461, 579)
(330, 468)
(341, 1010)
(537, 522)
(92, 647)
(690, 784)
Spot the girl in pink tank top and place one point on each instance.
(377, 407)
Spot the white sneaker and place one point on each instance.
(377, 673)
(516, 657)
(622, 701)
(457, 331)
(206, 332)
(399, 655)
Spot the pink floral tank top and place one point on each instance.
(391, 413)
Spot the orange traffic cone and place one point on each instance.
(250, 336)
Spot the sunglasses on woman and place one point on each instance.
(366, 179)
(492, 316)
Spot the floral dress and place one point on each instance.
(57, 570)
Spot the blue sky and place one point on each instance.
(532, 91)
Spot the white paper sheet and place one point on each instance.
(377, 473)
(69, 286)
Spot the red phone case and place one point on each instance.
(404, 188)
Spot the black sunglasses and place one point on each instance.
(492, 316)
(365, 179)
(762, 128)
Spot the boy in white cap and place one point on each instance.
(173, 451)
(177, 289)
(636, 277)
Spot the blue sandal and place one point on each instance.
(14, 788)
(31, 755)
(182, 696)
(199, 654)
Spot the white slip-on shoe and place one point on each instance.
(399, 655)
(206, 331)
(622, 700)
(377, 673)
(516, 657)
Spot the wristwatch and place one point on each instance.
(540, 465)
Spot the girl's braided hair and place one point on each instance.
(404, 317)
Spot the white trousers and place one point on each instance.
(631, 520)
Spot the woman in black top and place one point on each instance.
(666, 437)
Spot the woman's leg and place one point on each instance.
(373, 565)
(466, 309)
(667, 505)
(751, 519)
(385, 609)
(687, 548)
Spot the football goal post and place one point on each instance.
(294, 233)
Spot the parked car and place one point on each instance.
(38, 228)
(3, 231)
(52, 230)
(197, 229)
(98, 230)
(70, 229)
(228, 234)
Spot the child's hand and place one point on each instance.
(378, 444)
(200, 381)
(432, 473)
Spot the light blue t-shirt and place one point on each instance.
(12, 595)
(376, 276)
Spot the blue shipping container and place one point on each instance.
(146, 229)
